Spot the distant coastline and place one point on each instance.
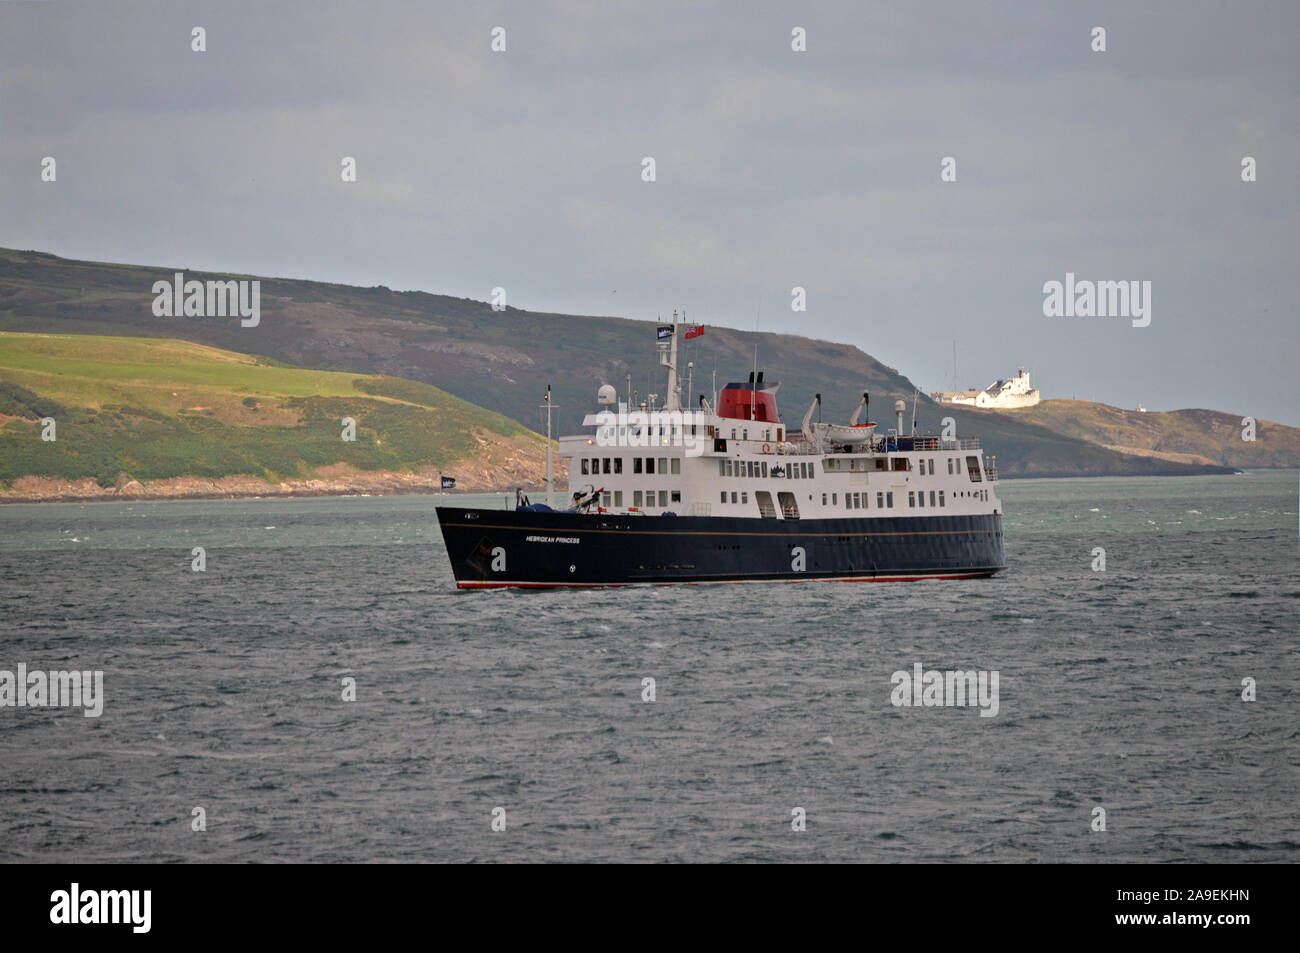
(33, 489)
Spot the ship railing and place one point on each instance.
(953, 443)
(991, 471)
(767, 511)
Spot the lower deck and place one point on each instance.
(492, 548)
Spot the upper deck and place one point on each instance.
(741, 460)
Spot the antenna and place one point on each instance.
(914, 392)
(753, 393)
(549, 498)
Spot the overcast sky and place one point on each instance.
(775, 168)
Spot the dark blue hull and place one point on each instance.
(492, 548)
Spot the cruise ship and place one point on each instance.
(724, 492)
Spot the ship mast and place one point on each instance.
(668, 358)
(549, 496)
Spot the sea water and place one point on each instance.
(225, 734)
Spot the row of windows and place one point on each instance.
(917, 498)
(596, 465)
(864, 464)
(757, 469)
(858, 501)
(923, 466)
(767, 434)
(651, 497)
(852, 501)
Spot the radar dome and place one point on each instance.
(606, 394)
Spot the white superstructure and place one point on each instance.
(741, 460)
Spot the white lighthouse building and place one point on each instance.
(1000, 395)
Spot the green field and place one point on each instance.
(154, 408)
